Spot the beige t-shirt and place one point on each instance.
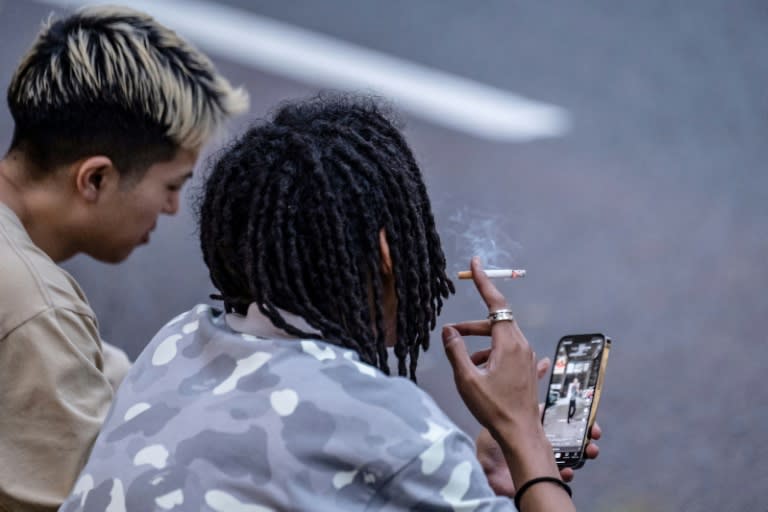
(57, 376)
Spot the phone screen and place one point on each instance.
(572, 395)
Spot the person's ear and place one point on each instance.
(386, 259)
(93, 175)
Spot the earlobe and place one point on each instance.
(386, 259)
(92, 175)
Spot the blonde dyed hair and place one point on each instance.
(118, 58)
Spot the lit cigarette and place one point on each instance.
(495, 273)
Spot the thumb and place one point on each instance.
(456, 351)
(542, 367)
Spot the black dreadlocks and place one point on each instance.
(290, 218)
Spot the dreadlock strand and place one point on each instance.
(292, 256)
(347, 158)
(442, 286)
(397, 187)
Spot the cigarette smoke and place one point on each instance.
(476, 233)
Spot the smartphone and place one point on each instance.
(573, 395)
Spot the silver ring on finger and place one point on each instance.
(501, 315)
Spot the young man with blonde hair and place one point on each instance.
(110, 110)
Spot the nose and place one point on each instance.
(172, 204)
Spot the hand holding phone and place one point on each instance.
(573, 395)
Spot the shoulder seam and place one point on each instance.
(48, 309)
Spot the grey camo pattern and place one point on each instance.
(213, 420)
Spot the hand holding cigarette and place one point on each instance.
(499, 387)
(495, 273)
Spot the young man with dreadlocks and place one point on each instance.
(318, 233)
(110, 111)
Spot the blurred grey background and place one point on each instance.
(644, 216)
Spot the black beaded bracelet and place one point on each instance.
(530, 483)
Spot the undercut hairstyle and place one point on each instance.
(290, 216)
(112, 81)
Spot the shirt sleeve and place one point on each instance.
(54, 396)
(446, 476)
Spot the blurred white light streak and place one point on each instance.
(449, 100)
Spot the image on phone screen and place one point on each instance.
(571, 393)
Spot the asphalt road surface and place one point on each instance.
(645, 220)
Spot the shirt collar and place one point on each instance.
(256, 323)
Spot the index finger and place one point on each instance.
(473, 328)
(495, 301)
(491, 295)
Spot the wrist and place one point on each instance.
(527, 450)
(540, 480)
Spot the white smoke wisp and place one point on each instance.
(487, 235)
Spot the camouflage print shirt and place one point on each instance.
(212, 419)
